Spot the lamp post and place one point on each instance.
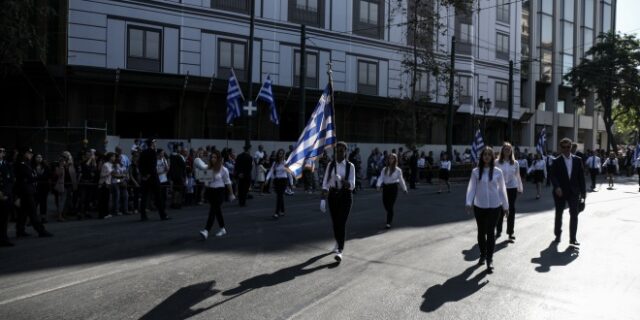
(485, 105)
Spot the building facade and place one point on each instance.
(144, 67)
(555, 37)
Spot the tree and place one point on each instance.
(21, 37)
(423, 58)
(610, 71)
(627, 122)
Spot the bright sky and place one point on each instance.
(627, 17)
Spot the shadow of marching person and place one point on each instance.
(278, 277)
(454, 289)
(473, 254)
(552, 257)
(178, 305)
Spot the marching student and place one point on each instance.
(593, 163)
(215, 192)
(486, 197)
(445, 168)
(511, 172)
(524, 166)
(539, 170)
(389, 179)
(281, 180)
(337, 189)
(611, 164)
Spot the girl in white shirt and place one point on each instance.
(389, 179)
(611, 164)
(281, 179)
(539, 170)
(486, 197)
(445, 168)
(215, 193)
(511, 172)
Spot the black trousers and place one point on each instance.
(413, 177)
(389, 196)
(28, 209)
(243, 190)
(512, 194)
(486, 219)
(104, 192)
(548, 176)
(4, 219)
(594, 174)
(279, 185)
(561, 202)
(152, 187)
(42, 195)
(340, 202)
(177, 195)
(215, 196)
(638, 176)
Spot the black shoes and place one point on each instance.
(481, 261)
(22, 234)
(574, 242)
(165, 218)
(512, 239)
(489, 266)
(45, 234)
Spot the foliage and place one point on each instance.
(610, 72)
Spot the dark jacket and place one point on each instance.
(571, 188)
(26, 179)
(7, 178)
(178, 169)
(244, 165)
(147, 163)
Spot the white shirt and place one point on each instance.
(258, 155)
(105, 173)
(445, 164)
(395, 177)
(279, 171)
(421, 162)
(523, 163)
(487, 194)
(329, 180)
(220, 179)
(511, 174)
(163, 167)
(593, 162)
(569, 163)
(538, 165)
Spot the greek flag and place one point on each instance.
(542, 139)
(318, 135)
(266, 95)
(234, 98)
(476, 146)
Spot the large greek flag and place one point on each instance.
(318, 135)
(234, 98)
(542, 139)
(476, 146)
(266, 95)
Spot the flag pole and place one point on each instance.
(333, 108)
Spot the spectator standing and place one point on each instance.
(6, 200)
(43, 185)
(244, 168)
(178, 177)
(150, 181)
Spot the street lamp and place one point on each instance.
(485, 105)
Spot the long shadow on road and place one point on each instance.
(454, 289)
(551, 257)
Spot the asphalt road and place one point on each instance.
(423, 268)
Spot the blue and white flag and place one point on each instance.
(477, 146)
(318, 135)
(542, 139)
(266, 95)
(234, 98)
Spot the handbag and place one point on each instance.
(581, 205)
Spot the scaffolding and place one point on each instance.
(51, 141)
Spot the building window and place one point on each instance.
(311, 80)
(422, 85)
(241, 6)
(546, 6)
(232, 54)
(421, 24)
(368, 78)
(144, 49)
(307, 12)
(502, 95)
(546, 65)
(606, 16)
(368, 18)
(465, 93)
(464, 32)
(503, 8)
(502, 46)
(588, 25)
